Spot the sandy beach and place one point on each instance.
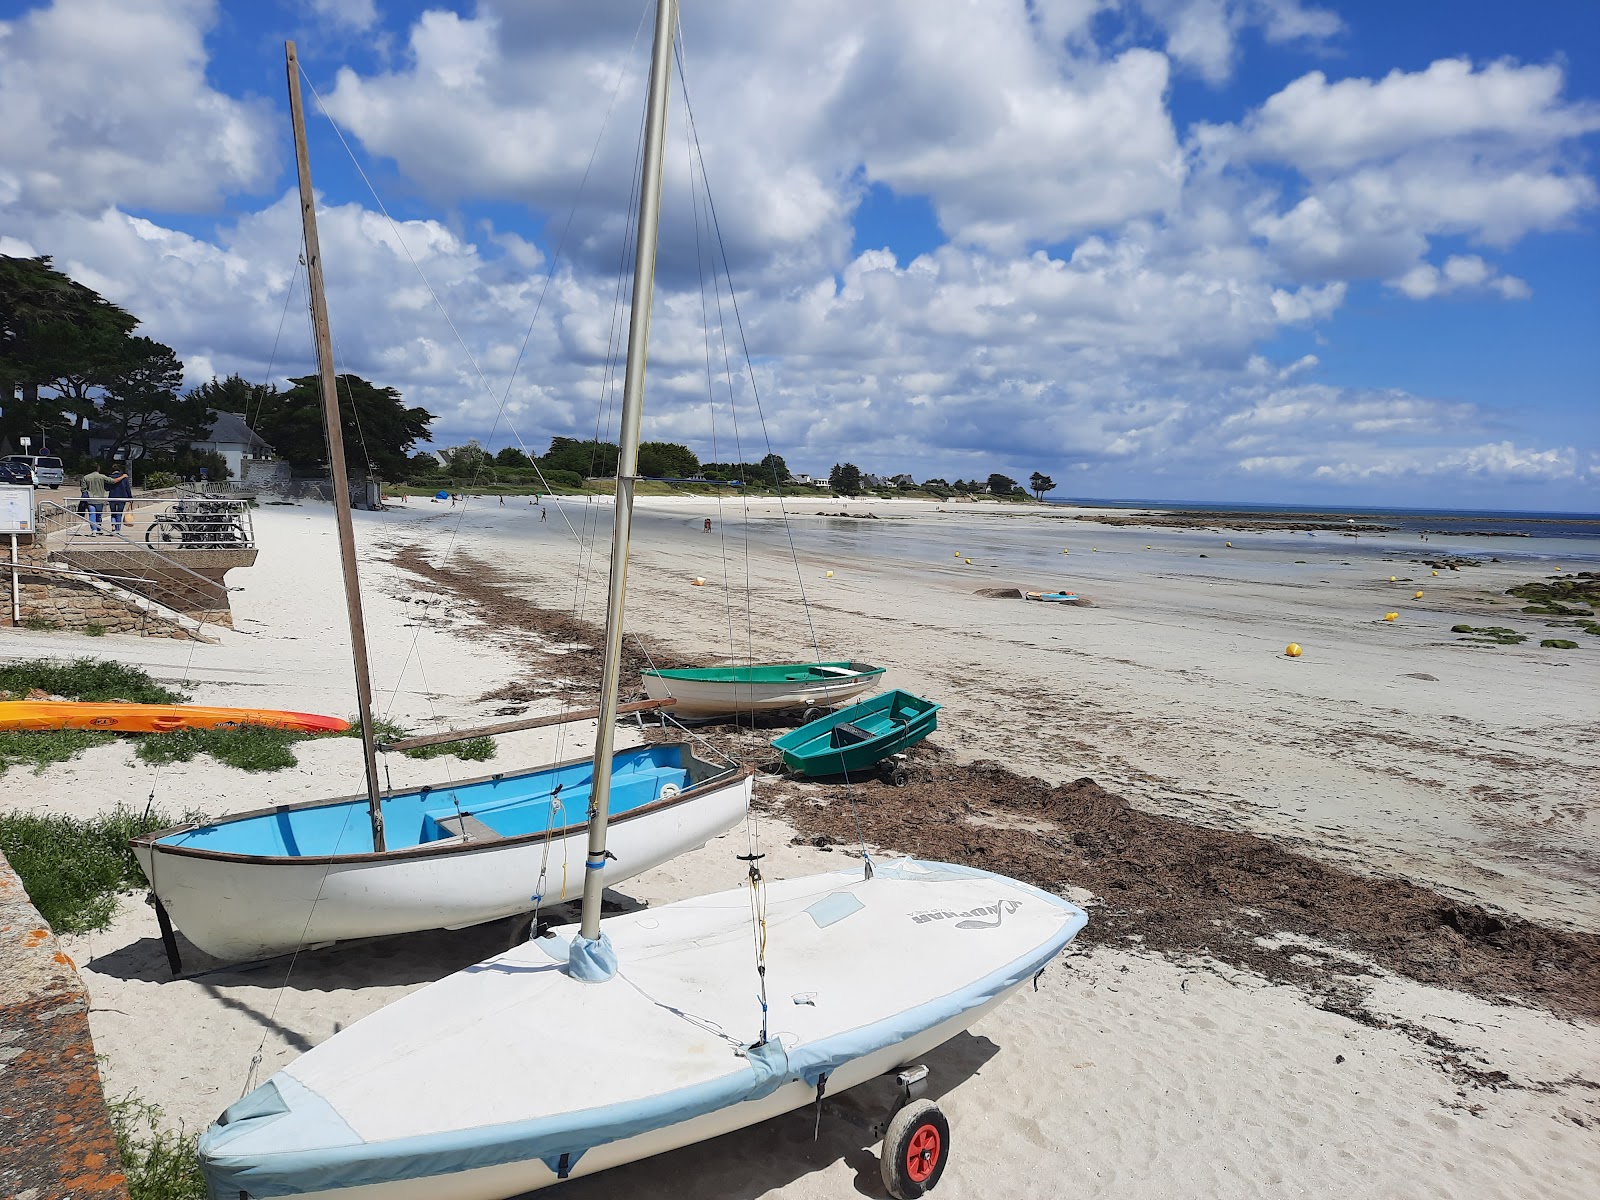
(1390, 754)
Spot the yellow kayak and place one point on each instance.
(154, 718)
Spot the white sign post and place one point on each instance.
(16, 516)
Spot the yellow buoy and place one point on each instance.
(697, 581)
(1391, 616)
(1292, 649)
(1094, 549)
(1063, 552)
(830, 574)
(1435, 574)
(1416, 596)
(968, 561)
(1391, 579)
(1229, 545)
(1147, 547)
(958, 553)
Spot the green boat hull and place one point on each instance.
(850, 740)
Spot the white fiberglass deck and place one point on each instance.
(657, 1056)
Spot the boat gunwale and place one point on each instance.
(691, 674)
(152, 840)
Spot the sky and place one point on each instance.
(1253, 250)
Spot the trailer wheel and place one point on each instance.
(915, 1148)
(814, 713)
(896, 776)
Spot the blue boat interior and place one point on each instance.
(880, 718)
(528, 802)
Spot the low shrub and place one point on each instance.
(161, 1164)
(85, 679)
(247, 747)
(41, 747)
(73, 867)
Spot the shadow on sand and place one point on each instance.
(397, 961)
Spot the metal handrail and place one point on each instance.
(187, 522)
(52, 518)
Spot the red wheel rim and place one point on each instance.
(922, 1153)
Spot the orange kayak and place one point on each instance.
(154, 718)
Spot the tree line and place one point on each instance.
(72, 369)
(848, 480)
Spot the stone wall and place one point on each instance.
(56, 1141)
(56, 601)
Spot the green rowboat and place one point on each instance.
(852, 739)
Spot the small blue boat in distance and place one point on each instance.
(850, 740)
(1054, 597)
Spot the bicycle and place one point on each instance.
(196, 522)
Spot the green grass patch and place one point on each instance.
(85, 679)
(478, 749)
(73, 868)
(247, 747)
(41, 747)
(1559, 644)
(161, 1163)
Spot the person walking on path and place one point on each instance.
(120, 490)
(94, 489)
(543, 516)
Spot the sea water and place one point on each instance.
(1031, 540)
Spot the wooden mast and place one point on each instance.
(341, 481)
(644, 268)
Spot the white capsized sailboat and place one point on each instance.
(459, 1092)
(271, 880)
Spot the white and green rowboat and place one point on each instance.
(766, 687)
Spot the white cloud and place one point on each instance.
(1319, 126)
(1502, 462)
(1203, 34)
(1488, 154)
(106, 101)
(357, 15)
(984, 111)
(1460, 273)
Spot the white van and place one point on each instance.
(47, 471)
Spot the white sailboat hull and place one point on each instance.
(704, 698)
(513, 1179)
(659, 1056)
(235, 908)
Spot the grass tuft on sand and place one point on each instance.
(161, 1163)
(84, 679)
(246, 747)
(478, 749)
(73, 868)
(41, 747)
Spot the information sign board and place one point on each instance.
(16, 508)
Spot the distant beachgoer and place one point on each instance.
(120, 490)
(94, 492)
(502, 501)
(543, 516)
(708, 524)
